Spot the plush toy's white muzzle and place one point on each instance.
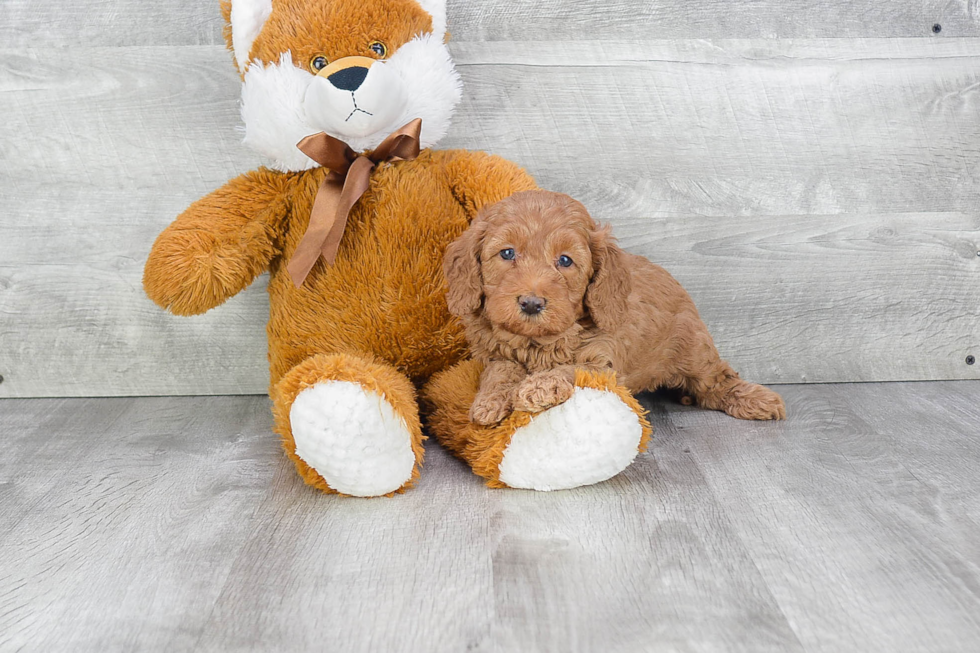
(355, 97)
(283, 103)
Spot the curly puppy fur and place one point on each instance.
(542, 290)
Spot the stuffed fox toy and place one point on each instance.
(351, 218)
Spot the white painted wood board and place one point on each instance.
(37, 23)
(817, 197)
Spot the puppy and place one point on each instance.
(542, 291)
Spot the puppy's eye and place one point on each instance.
(379, 48)
(318, 63)
(508, 254)
(565, 261)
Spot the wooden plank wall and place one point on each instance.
(808, 169)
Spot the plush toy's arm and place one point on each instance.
(477, 178)
(218, 245)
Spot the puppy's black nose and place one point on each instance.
(349, 79)
(531, 305)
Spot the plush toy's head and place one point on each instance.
(355, 69)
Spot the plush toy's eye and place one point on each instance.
(318, 63)
(565, 261)
(379, 48)
(508, 254)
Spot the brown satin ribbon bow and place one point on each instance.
(349, 176)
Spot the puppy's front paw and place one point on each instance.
(543, 390)
(489, 409)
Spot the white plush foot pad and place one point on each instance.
(590, 438)
(353, 438)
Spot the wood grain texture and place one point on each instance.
(120, 519)
(35, 23)
(550, 20)
(817, 198)
(362, 574)
(96, 160)
(175, 524)
(644, 562)
(873, 466)
(734, 128)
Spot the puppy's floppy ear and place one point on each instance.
(461, 266)
(607, 296)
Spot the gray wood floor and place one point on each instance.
(175, 524)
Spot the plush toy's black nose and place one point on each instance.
(349, 79)
(531, 305)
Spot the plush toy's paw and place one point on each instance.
(191, 271)
(352, 438)
(489, 409)
(590, 438)
(753, 401)
(542, 390)
(350, 424)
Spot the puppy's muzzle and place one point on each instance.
(531, 305)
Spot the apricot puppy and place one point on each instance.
(542, 290)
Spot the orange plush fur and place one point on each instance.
(544, 292)
(307, 29)
(377, 316)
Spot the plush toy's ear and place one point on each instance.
(245, 18)
(607, 297)
(461, 266)
(436, 9)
